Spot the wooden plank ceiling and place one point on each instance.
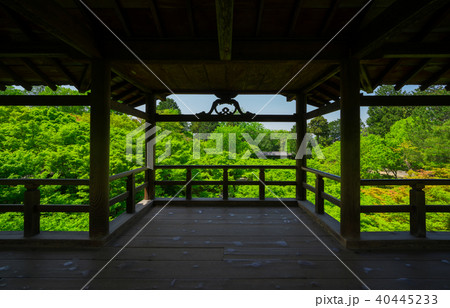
(202, 46)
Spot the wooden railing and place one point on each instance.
(225, 182)
(32, 207)
(131, 189)
(416, 207)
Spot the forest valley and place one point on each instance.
(42, 142)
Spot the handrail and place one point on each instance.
(410, 182)
(323, 174)
(224, 166)
(44, 182)
(126, 173)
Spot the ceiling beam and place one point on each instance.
(155, 16)
(435, 78)
(323, 110)
(17, 79)
(19, 22)
(33, 67)
(128, 110)
(224, 15)
(294, 18)
(46, 100)
(390, 67)
(191, 17)
(390, 22)
(50, 16)
(85, 80)
(413, 50)
(411, 100)
(65, 72)
(125, 93)
(36, 49)
(434, 21)
(259, 17)
(123, 19)
(366, 83)
(329, 17)
(413, 73)
(119, 86)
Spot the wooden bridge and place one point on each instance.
(224, 48)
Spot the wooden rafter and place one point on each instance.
(65, 72)
(323, 110)
(33, 67)
(259, 17)
(413, 73)
(414, 50)
(326, 93)
(139, 101)
(224, 15)
(324, 77)
(395, 18)
(49, 15)
(85, 80)
(295, 14)
(366, 83)
(317, 101)
(410, 100)
(128, 110)
(390, 67)
(435, 78)
(434, 21)
(329, 17)
(155, 16)
(191, 17)
(120, 14)
(15, 76)
(126, 93)
(20, 24)
(119, 86)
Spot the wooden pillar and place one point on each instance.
(225, 184)
(350, 149)
(131, 189)
(31, 214)
(320, 187)
(99, 150)
(300, 107)
(150, 109)
(188, 184)
(262, 186)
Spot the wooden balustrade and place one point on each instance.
(225, 182)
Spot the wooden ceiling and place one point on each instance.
(204, 46)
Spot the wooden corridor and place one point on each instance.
(201, 247)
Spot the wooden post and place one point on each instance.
(150, 174)
(350, 149)
(225, 183)
(131, 188)
(262, 186)
(301, 131)
(418, 212)
(31, 215)
(188, 184)
(320, 209)
(99, 152)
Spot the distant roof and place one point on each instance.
(254, 47)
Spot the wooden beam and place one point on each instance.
(128, 110)
(413, 73)
(191, 17)
(125, 93)
(224, 15)
(323, 110)
(155, 17)
(326, 93)
(390, 67)
(320, 102)
(85, 81)
(20, 24)
(350, 149)
(119, 86)
(294, 18)
(259, 17)
(45, 100)
(99, 150)
(230, 118)
(391, 21)
(28, 63)
(330, 15)
(366, 83)
(435, 78)
(322, 78)
(123, 20)
(16, 78)
(66, 72)
(434, 21)
(413, 50)
(53, 18)
(425, 100)
(136, 102)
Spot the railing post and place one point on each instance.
(319, 199)
(262, 186)
(225, 184)
(301, 131)
(418, 213)
(31, 214)
(188, 184)
(131, 188)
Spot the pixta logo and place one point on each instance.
(140, 144)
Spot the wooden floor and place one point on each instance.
(222, 248)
